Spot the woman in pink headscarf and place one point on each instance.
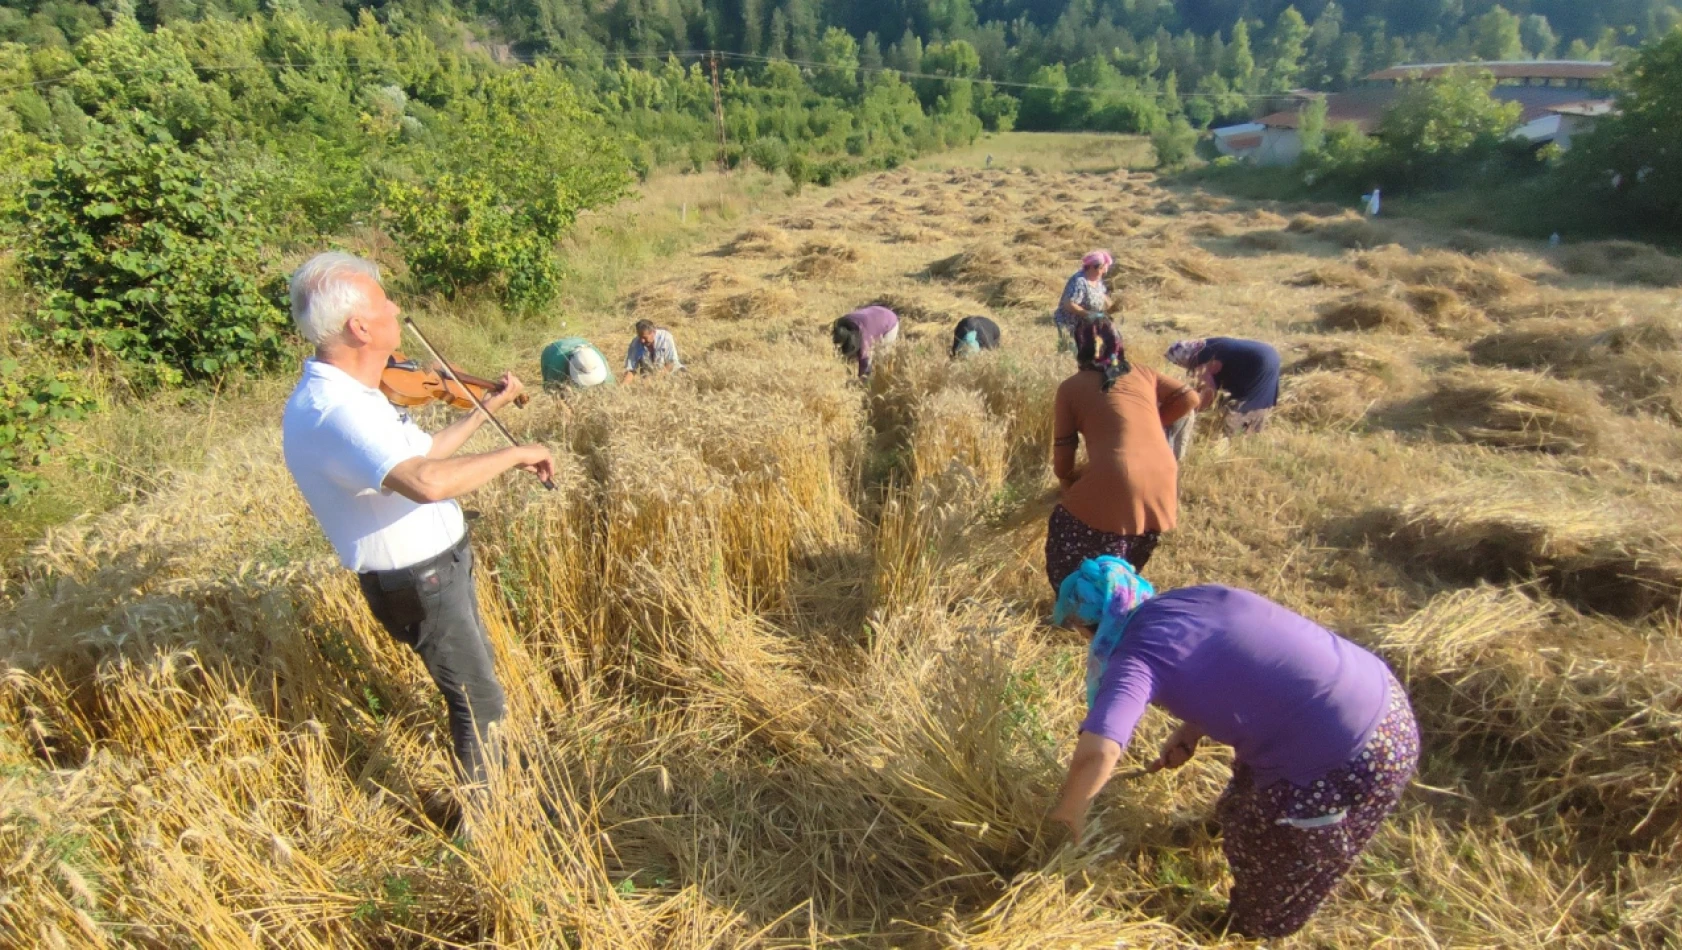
(1084, 308)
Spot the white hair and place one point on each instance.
(324, 295)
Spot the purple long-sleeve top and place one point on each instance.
(874, 323)
(1293, 699)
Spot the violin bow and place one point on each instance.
(451, 373)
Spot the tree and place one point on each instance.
(1175, 142)
(1440, 128)
(1285, 49)
(1239, 65)
(1637, 146)
(839, 54)
(1042, 101)
(1496, 36)
(1311, 127)
(1538, 36)
(140, 252)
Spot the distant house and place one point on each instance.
(1557, 97)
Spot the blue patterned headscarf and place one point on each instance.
(1103, 592)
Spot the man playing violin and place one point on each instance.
(384, 491)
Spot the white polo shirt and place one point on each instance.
(341, 439)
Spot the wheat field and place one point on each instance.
(776, 653)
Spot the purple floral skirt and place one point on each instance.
(1290, 845)
(1068, 542)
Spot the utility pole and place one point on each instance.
(718, 112)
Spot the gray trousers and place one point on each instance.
(430, 606)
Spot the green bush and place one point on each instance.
(138, 251)
(457, 232)
(769, 153)
(516, 162)
(1175, 142)
(30, 404)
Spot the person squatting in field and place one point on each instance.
(1247, 371)
(384, 491)
(1324, 738)
(972, 335)
(1126, 496)
(862, 334)
(1083, 309)
(652, 350)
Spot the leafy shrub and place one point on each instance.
(138, 251)
(1175, 142)
(518, 160)
(770, 153)
(457, 231)
(29, 405)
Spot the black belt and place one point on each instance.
(401, 575)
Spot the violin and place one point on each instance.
(408, 384)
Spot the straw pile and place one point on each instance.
(1370, 311)
(824, 260)
(1624, 262)
(760, 242)
(1337, 276)
(1481, 281)
(756, 303)
(1595, 555)
(1637, 364)
(1517, 410)
(1271, 242)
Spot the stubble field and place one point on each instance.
(776, 654)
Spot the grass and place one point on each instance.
(775, 652)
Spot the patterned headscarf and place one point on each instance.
(1101, 259)
(1103, 592)
(1184, 352)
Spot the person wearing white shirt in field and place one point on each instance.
(384, 491)
(652, 350)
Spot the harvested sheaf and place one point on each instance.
(1328, 399)
(824, 260)
(1212, 228)
(909, 234)
(1337, 276)
(1357, 234)
(1559, 308)
(1201, 268)
(1472, 242)
(760, 242)
(1444, 310)
(1638, 364)
(1517, 410)
(1120, 223)
(1624, 262)
(1339, 357)
(1370, 311)
(1479, 280)
(1594, 556)
(661, 303)
(759, 303)
(1556, 729)
(1304, 224)
(1271, 242)
(921, 304)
